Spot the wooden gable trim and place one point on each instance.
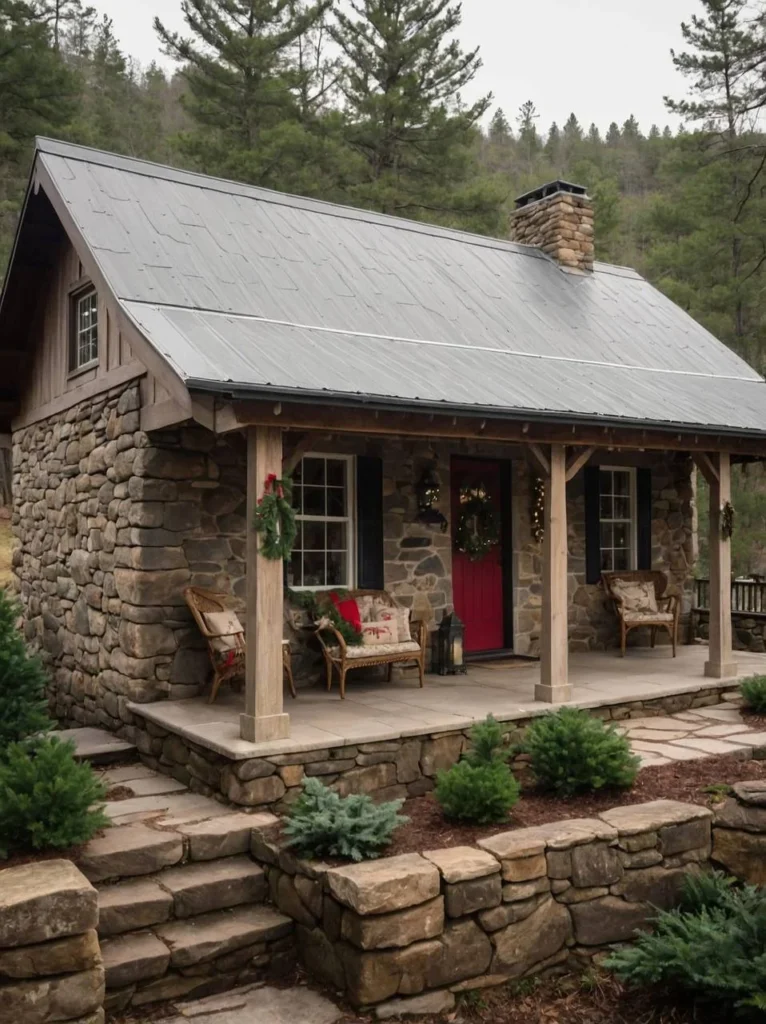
(139, 344)
(237, 415)
(111, 379)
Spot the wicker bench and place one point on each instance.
(342, 657)
(668, 605)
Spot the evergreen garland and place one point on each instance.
(275, 519)
(477, 531)
(309, 601)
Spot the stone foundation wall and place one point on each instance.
(50, 959)
(747, 634)
(410, 932)
(386, 769)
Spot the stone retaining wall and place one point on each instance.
(407, 933)
(748, 632)
(50, 960)
(385, 769)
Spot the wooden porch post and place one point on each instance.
(554, 642)
(263, 718)
(720, 663)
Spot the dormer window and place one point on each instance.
(83, 341)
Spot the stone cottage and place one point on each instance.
(171, 339)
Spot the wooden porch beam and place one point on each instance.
(264, 718)
(554, 640)
(720, 663)
(348, 420)
(576, 463)
(540, 458)
(706, 466)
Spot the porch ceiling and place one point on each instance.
(376, 711)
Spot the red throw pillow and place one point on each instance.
(348, 609)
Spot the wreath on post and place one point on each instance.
(477, 531)
(274, 519)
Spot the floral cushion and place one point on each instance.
(635, 595)
(376, 633)
(632, 617)
(377, 650)
(225, 627)
(364, 603)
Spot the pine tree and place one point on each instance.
(402, 75)
(37, 96)
(499, 129)
(594, 135)
(613, 134)
(530, 143)
(22, 681)
(243, 94)
(553, 144)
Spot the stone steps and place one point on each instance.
(181, 892)
(208, 952)
(98, 746)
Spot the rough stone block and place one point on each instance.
(465, 951)
(462, 863)
(401, 928)
(428, 1003)
(440, 753)
(135, 957)
(509, 913)
(634, 819)
(129, 850)
(595, 864)
(365, 780)
(131, 905)
(224, 837)
(373, 977)
(198, 888)
(45, 900)
(559, 864)
(209, 936)
(378, 887)
(478, 894)
(255, 793)
(514, 891)
(741, 853)
(525, 869)
(62, 998)
(521, 945)
(58, 956)
(610, 919)
(692, 835)
(657, 885)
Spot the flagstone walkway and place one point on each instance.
(687, 735)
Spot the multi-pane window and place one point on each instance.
(322, 489)
(617, 518)
(84, 340)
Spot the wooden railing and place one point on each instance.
(748, 597)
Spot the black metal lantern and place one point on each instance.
(449, 646)
(428, 490)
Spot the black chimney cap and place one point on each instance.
(548, 190)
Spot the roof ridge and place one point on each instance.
(57, 147)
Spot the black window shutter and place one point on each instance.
(369, 522)
(592, 524)
(644, 517)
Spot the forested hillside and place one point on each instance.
(363, 105)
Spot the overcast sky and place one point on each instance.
(602, 59)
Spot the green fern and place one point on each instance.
(323, 824)
(712, 947)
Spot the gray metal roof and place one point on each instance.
(247, 290)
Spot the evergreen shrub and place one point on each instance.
(48, 800)
(753, 691)
(323, 824)
(22, 681)
(481, 787)
(572, 752)
(712, 947)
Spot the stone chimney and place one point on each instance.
(557, 218)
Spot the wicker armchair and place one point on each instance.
(226, 650)
(343, 657)
(668, 605)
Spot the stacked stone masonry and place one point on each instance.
(113, 523)
(50, 960)
(428, 926)
(386, 769)
(561, 225)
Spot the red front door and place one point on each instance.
(478, 585)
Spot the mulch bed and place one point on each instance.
(682, 780)
(119, 792)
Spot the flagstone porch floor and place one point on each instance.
(381, 711)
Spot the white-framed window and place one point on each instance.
(83, 341)
(323, 497)
(617, 518)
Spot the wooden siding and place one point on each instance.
(49, 386)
